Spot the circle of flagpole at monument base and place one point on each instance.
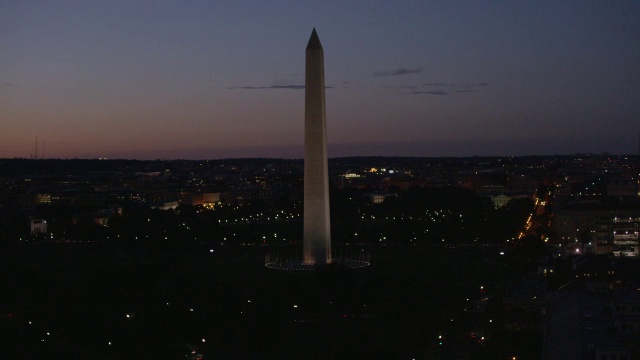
(288, 262)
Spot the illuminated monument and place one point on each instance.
(316, 245)
(317, 225)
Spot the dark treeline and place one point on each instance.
(419, 215)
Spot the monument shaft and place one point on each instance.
(317, 225)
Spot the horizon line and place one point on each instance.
(334, 157)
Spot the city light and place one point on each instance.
(411, 234)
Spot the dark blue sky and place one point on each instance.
(215, 79)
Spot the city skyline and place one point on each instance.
(199, 80)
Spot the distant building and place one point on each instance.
(208, 199)
(618, 235)
(578, 224)
(102, 217)
(43, 198)
(623, 187)
(500, 200)
(601, 224)
(379, 197)
(38, 226)
(158, 199)
(597, 316)
(483, 184)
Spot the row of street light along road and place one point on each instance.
(539, 220)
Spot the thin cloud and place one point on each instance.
(293, 87)
(400, 86)
(458, 85)
(428, 88)
(400, 71)
(437, 92)
(440, 84)
(435, 88)
(290, 87)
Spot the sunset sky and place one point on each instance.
(216, 79)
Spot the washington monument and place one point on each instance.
(317, 225)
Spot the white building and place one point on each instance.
(38, 226)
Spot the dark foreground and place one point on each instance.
(91, 301)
